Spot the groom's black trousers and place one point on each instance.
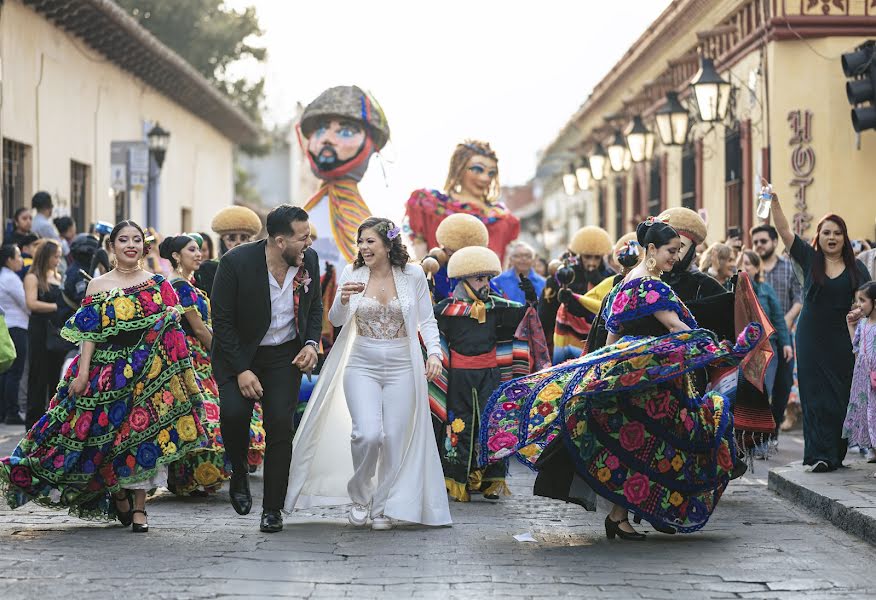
(280, 381)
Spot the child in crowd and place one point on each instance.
(860, 424)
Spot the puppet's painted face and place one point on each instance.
(335, 142)
(480, 285)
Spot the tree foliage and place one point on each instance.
(210, 37)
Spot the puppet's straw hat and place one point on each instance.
(686, 222)
(349, 102)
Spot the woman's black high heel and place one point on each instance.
(139, 527)
(125, 517)
(612, 529)
(657, 526)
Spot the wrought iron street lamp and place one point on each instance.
(640, 140)
(158, 140)
(616, 150)
(582, 174)
(711, 91)
(597, 162)
(672, 121)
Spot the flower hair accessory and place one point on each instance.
(393, 233)
(651, 220)
(629, 248)
(390, 230)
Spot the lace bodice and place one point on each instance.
(379, 321)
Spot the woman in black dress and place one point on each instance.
(825, 362)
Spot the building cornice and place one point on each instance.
(109, 30)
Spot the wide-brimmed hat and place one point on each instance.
(472, 262)
(591, 240)
(461, 230)
(349, 102)
(686, 222)
(236, 219)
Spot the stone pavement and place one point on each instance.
(846, 497)
(757, 546)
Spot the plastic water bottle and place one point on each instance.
(765, 203)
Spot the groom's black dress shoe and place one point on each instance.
(272, 521)
(241, 498)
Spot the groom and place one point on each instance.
(267, 318)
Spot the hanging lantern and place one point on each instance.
(639, 139)
(582, 174)
(672, 121)
(597, 162)
(570, 182)
(711, 91)
(616, 150)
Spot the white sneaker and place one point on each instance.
(358, 515)
(381, 523)
(871, 455)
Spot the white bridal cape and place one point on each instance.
(322, 462)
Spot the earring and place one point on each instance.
(457, 188)
(651, 266)
(113, 261)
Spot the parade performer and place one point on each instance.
(126, 408)
(484, 336)
(267, 316)
(373, 392)
(342, 128)
(565, 318)
(510, 284)
(472, 187)
(454, 233)
(637, 432)
(236, 225)
(203, 471)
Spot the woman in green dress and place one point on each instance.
(125, 409)
(825, 361)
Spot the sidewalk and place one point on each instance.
(846, 497)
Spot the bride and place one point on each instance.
(373, 391)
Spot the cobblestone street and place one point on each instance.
(757, 546)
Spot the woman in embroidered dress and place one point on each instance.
(201, 472)
(373, 391)
(125, 409)
(637, 432)
(472, 187)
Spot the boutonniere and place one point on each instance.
(302, 279)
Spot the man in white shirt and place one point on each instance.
(267, 320)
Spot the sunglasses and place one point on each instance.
(236, 237)
(759, 242)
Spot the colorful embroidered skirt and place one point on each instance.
(637, 432)
(206, 468)
(137, 414)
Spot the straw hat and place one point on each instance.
(686, 222)
(236, 219)
(591, 240)
(473, 261)
(460, 230)
(349, 102)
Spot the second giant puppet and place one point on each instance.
(342, 128)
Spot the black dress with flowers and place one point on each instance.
(638, 433)
(137, 414)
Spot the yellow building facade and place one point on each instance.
(788, 120)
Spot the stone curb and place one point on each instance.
(846, 498)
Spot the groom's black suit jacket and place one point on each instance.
(241, 305)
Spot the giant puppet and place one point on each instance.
(342, 128)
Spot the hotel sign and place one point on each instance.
(802, 166)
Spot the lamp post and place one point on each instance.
(570, 181)
(640, 140)
(616, 150)
(672, 121)
(582, 174)
(711, 91)
(158, 141)
(597, 162)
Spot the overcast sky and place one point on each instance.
(509, 72)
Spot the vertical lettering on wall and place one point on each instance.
(802, 165)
